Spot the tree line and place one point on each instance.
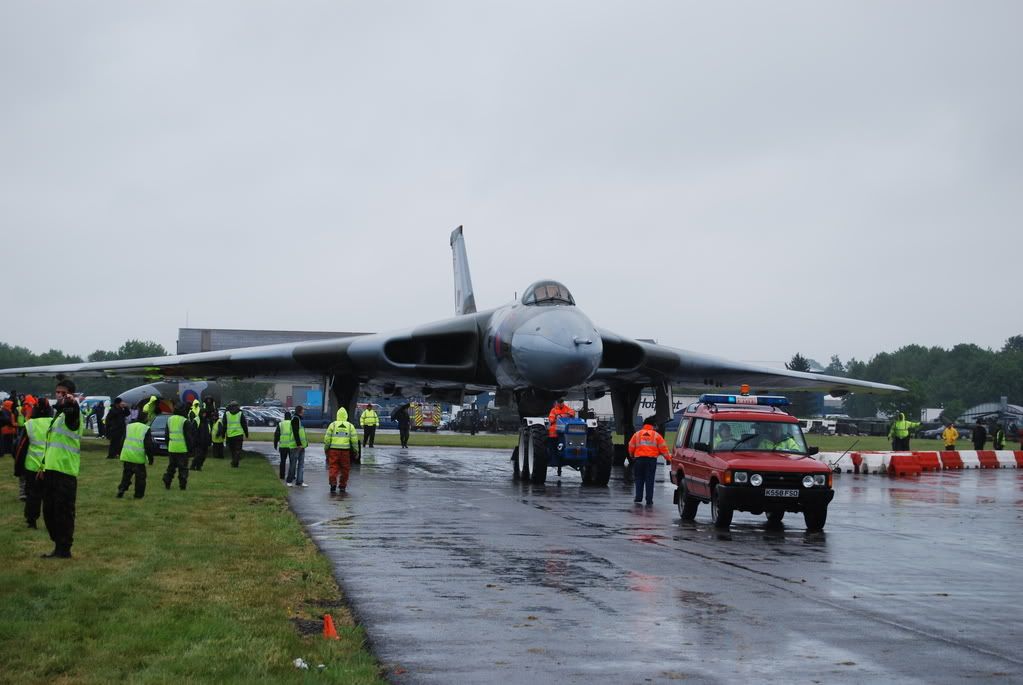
(954, 379)
(245, 392)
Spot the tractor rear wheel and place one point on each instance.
(538, 447)
(598, 471)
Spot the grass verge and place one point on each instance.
(218, 583)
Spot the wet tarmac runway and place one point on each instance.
(461, 575)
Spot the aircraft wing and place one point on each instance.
(285, 360)
(703, 372)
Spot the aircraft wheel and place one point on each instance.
(538, 446)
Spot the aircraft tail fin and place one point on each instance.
(465, 301)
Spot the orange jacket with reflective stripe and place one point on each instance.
(564, 411)
(648, 443)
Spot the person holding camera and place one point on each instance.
(59, 470)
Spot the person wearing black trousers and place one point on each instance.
(115, 427)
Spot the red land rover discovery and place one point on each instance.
(743, 452)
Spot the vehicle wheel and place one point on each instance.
(815, 518)
(687, 505)
(720, 516)
(775, 517)
(538, 446)
(515, 463)
(599, 472)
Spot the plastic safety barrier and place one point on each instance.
(1006, 459)
(951, 460)
(903, 465)
(987, 459)
(929, 461)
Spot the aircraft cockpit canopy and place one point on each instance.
(546, 294)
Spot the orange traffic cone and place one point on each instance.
(328, 628)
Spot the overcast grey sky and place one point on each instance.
(747, 179)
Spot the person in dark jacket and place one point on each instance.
(997, 436)
(284, 441)
(116, 426)
(59, 470)
(28, 459)
(138, 447)
(401, 415)
(203, 439)
(979, 435)
(98, 411)
(180, 434)
(235, 429)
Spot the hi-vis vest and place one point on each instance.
(36, 429)
(287, 440)
(234, 424)
(369, 418)
(134, 449)
(303, 441)
(217, 437)
(340, 435)
(176, 427)
(648, 443)
(63, 447)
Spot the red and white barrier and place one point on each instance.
(913, 463)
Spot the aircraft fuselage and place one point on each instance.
(547, 347)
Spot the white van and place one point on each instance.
(87, 404)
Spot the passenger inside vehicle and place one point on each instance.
(723, 439)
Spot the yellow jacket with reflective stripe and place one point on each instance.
(340, 435)
(176, 433)
(63, 447)
(287, 439)
(134, 449)
(36, 430)
(234, 424)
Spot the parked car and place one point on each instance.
(159, 431)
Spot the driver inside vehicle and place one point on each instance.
(773, 436)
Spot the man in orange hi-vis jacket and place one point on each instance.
(559, 410)
(644, 448)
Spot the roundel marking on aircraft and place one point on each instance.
(189, 396)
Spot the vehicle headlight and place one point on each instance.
(807, 481)
(741, 476)
(820, 479)
(756, 479)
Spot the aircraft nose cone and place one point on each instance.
(557, 350)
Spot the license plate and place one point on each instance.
(778, 492)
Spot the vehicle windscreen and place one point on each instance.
(769, 436)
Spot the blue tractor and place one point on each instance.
(581, 444)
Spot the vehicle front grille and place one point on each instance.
(783, 480)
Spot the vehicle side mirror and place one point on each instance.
(813, 450)
(701, 447)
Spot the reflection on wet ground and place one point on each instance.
(461, 575)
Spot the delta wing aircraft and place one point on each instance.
(532, 350)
